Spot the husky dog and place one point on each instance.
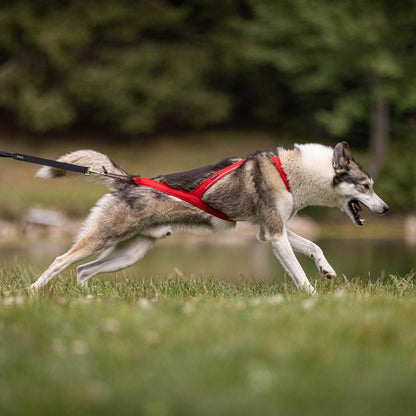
(125, 223)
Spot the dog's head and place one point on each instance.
(354, 186)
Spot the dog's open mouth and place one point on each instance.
(355, 208)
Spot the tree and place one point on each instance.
(128, 65)
(347, 62)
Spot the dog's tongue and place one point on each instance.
(356, 206)
(356, 209)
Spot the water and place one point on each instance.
(367, 259)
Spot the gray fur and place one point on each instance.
(125, 224)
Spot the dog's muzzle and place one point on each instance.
(354, 209)
(383, 210)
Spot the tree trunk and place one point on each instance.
(379, 129)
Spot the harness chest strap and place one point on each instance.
(194, 197)
(278, 164)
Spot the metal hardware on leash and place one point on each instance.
(105, 173)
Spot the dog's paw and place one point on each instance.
(327, 271)
(329, 274)
(83, 283)
(34, 286)
(309, 289)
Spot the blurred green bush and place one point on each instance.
(307, 67)
(132, 66)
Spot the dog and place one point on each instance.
(125, 223)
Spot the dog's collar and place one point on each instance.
(195, 197)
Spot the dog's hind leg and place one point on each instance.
(115, 258)
(107, 224)
(79, 251)
(310, 249)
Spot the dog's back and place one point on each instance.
(190, 179)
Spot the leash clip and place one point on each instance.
(96, 172)
(105, 172)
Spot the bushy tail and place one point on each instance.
(94, 160)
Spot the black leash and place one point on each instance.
(46, 162)
(60, 165)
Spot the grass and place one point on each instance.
(206, 347)
(184, 346)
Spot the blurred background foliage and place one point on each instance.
(311, 68)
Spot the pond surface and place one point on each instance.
(367, 259)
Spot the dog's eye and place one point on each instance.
(366, 187)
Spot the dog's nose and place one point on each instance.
(385, 208)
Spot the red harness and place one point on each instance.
(195, 197)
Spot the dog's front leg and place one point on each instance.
(284, 252)
(310, 249)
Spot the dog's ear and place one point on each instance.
(342, 157)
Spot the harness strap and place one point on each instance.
(278, 164)
(178, 193)
(213, 179)
(195, 197)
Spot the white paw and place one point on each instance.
(308, 288)
(326, 269)
(34, 286)
(83, 283)
(329, 274)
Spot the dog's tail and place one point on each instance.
(95, 161)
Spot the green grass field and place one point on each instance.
(206, 347)
(160, 346)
